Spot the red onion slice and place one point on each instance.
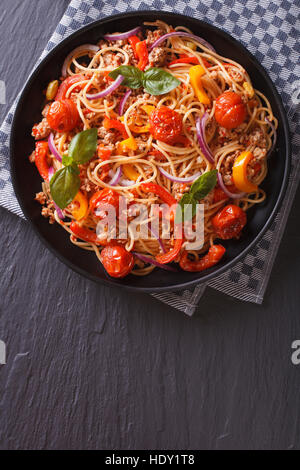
(228, 193)
(83, 48)
(108, 90)
(176, 179)
(126, 182)
(52, 147)
(120, 36)
(200, 128)
(116, 178)
(149, 260)
(157, 238)
(123, 102)
(58, 209)
(184, 35)
(274, 136)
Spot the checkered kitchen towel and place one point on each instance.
(269, 29)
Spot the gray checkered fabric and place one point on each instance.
(269, 29)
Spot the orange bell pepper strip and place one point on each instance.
(142, 53)
(41, 154)
(82, 206)
(196, 73)
(239, 173)
(130, 172)
(164, 195)
(67, 83)
(115, 124)
(133, 40)
(127, 144)
(86, 235)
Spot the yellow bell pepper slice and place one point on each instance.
(130, 172)
(127, 144)
(148, 108)
(139, 129)
(196, 73)
(249, 89)
(80, 211)
(239, 173)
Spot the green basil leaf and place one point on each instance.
(133, 76)
(83, 146)
(204, 184)
(187, 205)
(66, 160)
(64, 186)
(157, 81)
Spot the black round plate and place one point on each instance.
(27, 182)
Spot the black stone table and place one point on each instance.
(89, 367)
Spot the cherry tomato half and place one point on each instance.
(229, 222)
(230, 110)
(117, 261)
(100, 200)
(165, 124)
(63, 115)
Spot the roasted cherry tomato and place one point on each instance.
(63, 115)
(229, 221)
(165, 124)
(67, 83)
(230, 110)
(101, 199)
(117, 261)
(215, 253)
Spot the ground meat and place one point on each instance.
(127, 48)
(41, 130)
(179, 189)
(45, 110)
(48, 211)
(41, 198)
(226, 168)
(259, 153)
(151, 36)
(108, 138)
(157, 57)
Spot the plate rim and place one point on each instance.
(183, 285)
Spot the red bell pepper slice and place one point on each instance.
(115, 124)
(86, 234)
(41, 153)
(159, 191)
(142, 53)
(172, 254)
(133, 40)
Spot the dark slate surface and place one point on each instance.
(89, 367)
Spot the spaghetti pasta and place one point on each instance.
(207, 83)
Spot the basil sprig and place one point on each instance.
(199, 189)
(65, 183)
(155, 81)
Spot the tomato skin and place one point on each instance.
(230, 110)
(229, 222)
(63, 115)
(214, 255)
(117, 261)
(67, 83)
(165, 124)
(103, 198)
(219, 194)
